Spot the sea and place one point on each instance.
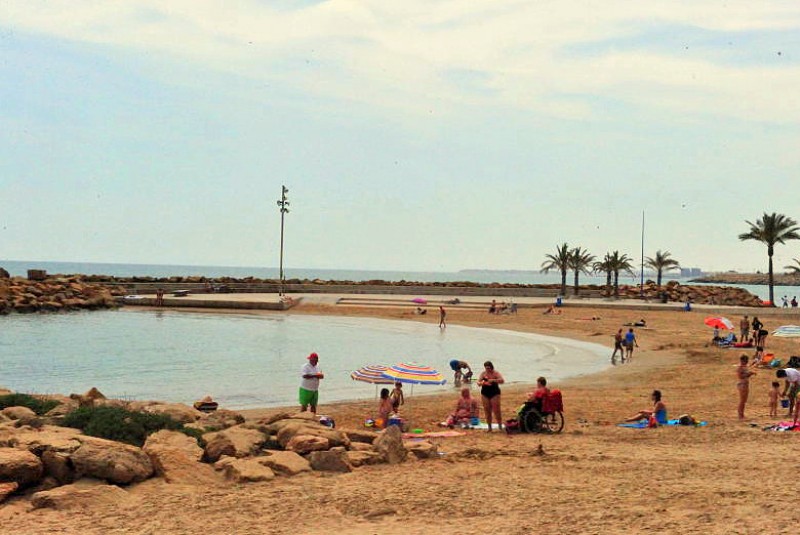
(20, 268)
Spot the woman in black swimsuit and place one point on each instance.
(490, 381)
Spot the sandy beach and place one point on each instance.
(595, 477)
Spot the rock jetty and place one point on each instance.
(704, 295)
(54, 294)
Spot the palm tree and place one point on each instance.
(604, 266)
(559, 261)
(771, 229)
(619, 262)
(792, 269)
(579, 261)
(661, 262)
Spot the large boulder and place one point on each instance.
(79, 497)
(20, 466)
(58, 466)
(330, 461)
(46, 438)
(177, 411)
(237, 441)
(176, 457)
(244, 470)
(113, 461)
(361, 435)
(390, 445)
(304, 444)
(219, 419)
(23, 415)
(285, 462)
(361, 458)
(336, 438)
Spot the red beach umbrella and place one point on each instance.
(719, 322)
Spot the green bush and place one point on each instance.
(116, 423)
(39, 406)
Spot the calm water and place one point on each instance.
(254, 360)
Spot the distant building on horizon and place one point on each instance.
(691, 272)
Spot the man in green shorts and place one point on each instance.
(309, 386)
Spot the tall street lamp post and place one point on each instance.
(283, 207)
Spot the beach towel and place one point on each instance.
(642, 424)
(783, 426)
(434, 434)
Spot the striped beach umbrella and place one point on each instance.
(415, 374)
(372, 374)
(787, 331)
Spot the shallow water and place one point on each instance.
(247, 361)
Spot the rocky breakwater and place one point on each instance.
(704, 295)
(47, 465)
(54, 294)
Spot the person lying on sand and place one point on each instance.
(640, 323)
(552, 310)
(659, 411)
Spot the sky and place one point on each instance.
(422, 135)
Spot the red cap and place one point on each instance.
(312, 356)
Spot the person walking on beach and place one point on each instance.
(309, 385)
(794, 302)
(744, 329)
(442, 316)
(630, 341)
(743, 374)
(785, 301)
(160, 297)
(619, 338)
(490, 381)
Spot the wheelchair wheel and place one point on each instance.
(553, 422)
(532, 421)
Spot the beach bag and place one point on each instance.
(794, 362)
(775, 363)
(686, 419)
(553, 402)
(652, 422)
(512, 426)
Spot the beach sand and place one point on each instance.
(728, 477)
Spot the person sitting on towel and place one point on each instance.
(659, 411)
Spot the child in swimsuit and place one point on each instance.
(743, 374)
(397, 396)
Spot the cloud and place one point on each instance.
(418, 56)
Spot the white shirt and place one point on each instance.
(309, 384)
(792, 375)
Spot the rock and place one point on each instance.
(58, 466)
(360, 446)
(305, 415)
(304, 444)
(363, 436)
(94, 394)
(219, 419)
(176, 457)
(46, 438)
(46, 483)
(20, 466)
(390, 445)
(6, 489)
(330, 461)
(79, 497)
(361, 458)
(336, 438)
(177, 411)
(62, 409)
(23, 414)
(244, 470)
(112, 461)
(274, 418)
(237, 441)
(4, 274)
(285, 462)
(422, 449)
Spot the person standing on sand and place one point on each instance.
(756, 325)
(160, 297)
(792, 378)
(618, 340)
(442, 316)
(490, 381)
(630, 341)
(309, 386)
(743, 374)
(744, 329)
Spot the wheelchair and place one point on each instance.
(544, 416)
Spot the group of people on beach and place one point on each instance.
(624, 343)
